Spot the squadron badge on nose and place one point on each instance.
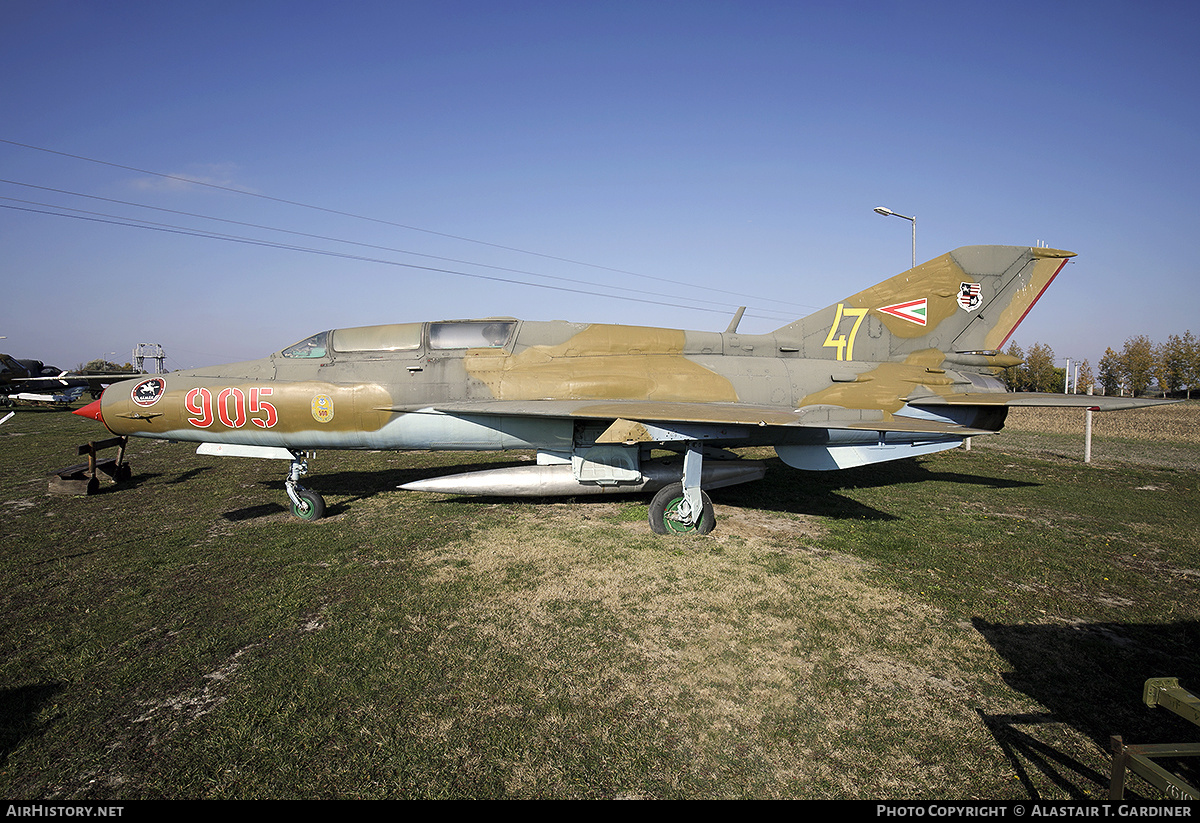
(147, 392)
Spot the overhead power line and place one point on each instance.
(314, 236)
(298, 204)
(133, 223)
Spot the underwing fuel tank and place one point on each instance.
(559, 480)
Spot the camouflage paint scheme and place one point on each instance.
(904, 368)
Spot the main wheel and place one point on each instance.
(668, 513)
(312, 505)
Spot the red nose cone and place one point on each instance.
(91, 410)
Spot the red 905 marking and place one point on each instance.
(233, 408)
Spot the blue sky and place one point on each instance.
(654, 163)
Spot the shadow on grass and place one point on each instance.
(824, 494)
(184, 477)
(784, 489)
(353, 486)
(108, 486)
(254, 512)
(1090, 677)
(19, 708)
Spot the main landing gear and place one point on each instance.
(306, 503)
(671, 513)
(684, 508)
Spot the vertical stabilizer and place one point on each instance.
(968, 300)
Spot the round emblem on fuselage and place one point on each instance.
(147, 392)
(322, 408)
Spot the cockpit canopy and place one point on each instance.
(397, 337)
(10, 366)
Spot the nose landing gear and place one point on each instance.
(306, 503)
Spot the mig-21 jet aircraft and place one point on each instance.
(34, 381)
(905, 368)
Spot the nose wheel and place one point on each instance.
(306, 503)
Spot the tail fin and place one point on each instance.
(968, 300)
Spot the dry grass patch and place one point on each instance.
(1160, 436)
(749, 651)
(1175, 422)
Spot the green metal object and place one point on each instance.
(1166, 692)
(1140, 759)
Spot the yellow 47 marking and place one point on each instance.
(844, 345)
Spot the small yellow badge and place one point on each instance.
(322, 408)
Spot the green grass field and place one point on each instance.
(971, 625)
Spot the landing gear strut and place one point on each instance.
(684, 508)
(306, 503)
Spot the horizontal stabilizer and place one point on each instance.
(1039, 400)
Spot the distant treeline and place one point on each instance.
(102, 365)
(1140, 367)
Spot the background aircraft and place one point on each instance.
(907, 367)
(33, 380)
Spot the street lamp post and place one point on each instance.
(889, 213)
